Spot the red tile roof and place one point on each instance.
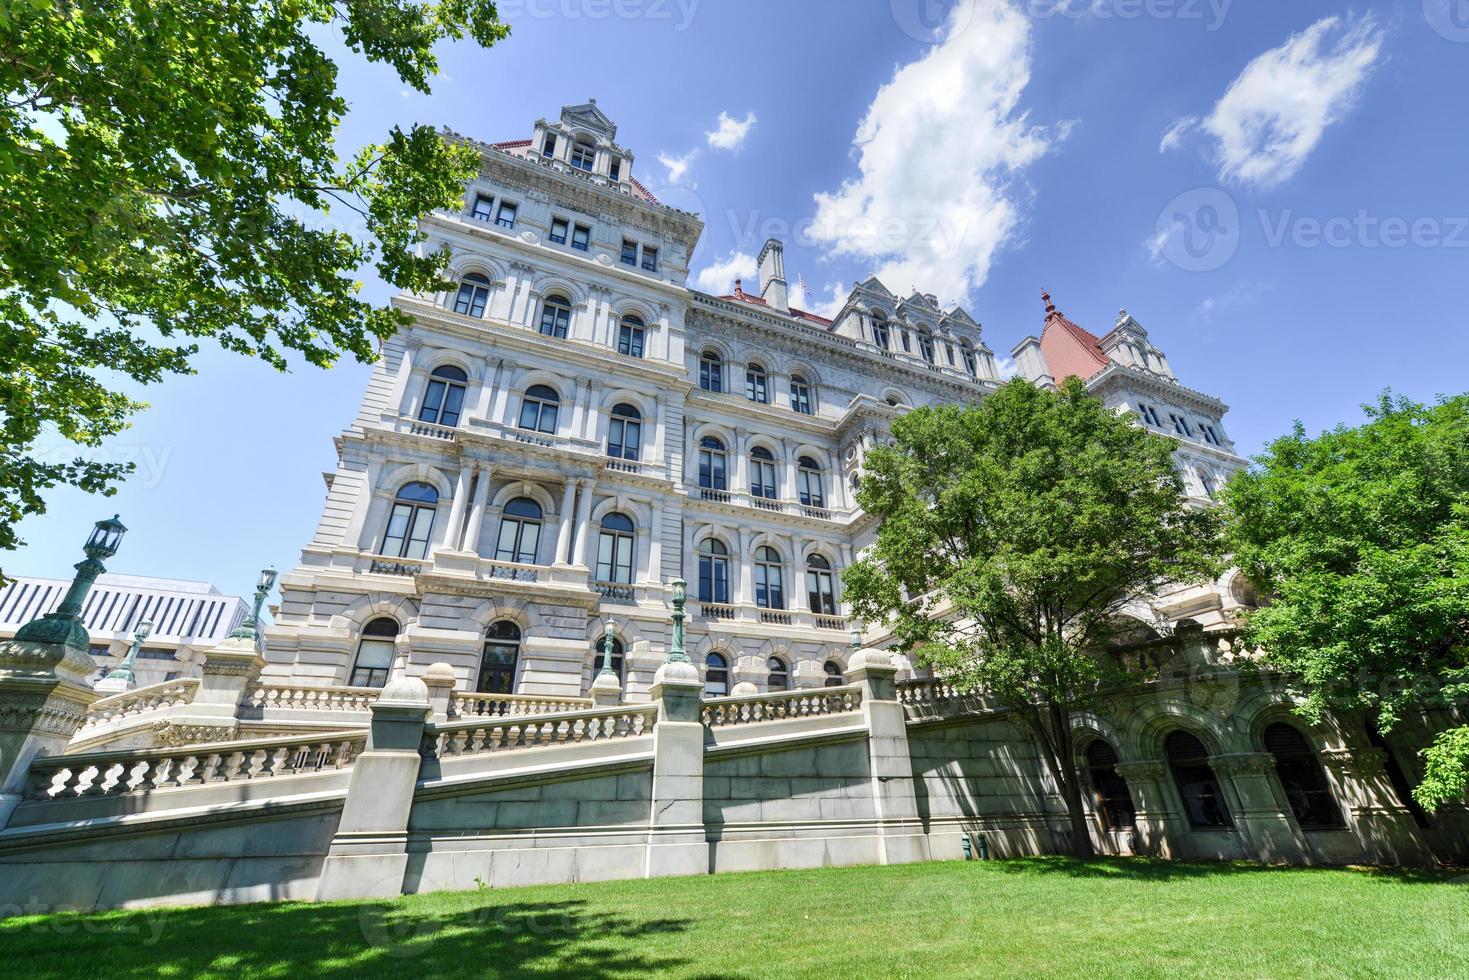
(740, 296)
(510, 144)
(1067, 348)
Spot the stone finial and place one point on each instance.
(439, 675)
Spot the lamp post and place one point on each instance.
(65, 624)
(676, 654)
(121, 677)
(856, 637)
(249, 628)
(609, 635)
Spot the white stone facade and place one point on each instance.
(496, 515)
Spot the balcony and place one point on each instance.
(722, 615)
(793, 508)
(617, 592)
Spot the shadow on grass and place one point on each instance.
(444, 936)
(1157, 869)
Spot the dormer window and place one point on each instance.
(970, 364)
(614, 169)
(549, 147)
(583, 155)
(880, 331)
(925, 345)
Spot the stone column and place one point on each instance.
(790, 491)
(583, 520)
(477, 510)
(894, 803)
(654, 571)
(456, 509)
(676, 838)
(1151, 802)
(397, 399)
(1382, 825)
(1264, 822)
(563, 530)
(369, 855)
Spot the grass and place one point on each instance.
(1003, 918)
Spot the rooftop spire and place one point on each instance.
(1050, 307)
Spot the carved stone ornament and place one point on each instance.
(167, 734)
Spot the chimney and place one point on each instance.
(773, 276)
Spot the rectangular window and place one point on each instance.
(549, 147)
(483, 207)
(650, 258)
(629, 252)
(1180, 425)
(1210, 436)
(506, 217)
(559, 228)
(581, 238)
(1149, 414)
(630, 340)
(907, 345)
(614, 169)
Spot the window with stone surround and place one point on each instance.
(375, 653)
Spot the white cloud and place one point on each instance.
(1007, 368)
(719, 277)
(828, 305)
(677, 166)
(1275, 113)
(728, 132)
(937, 151)
(1173, 138)
(1244, 293)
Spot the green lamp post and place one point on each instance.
(856, 637)
(676, 654)
(121, 677)
(65, 624)
(609, 635)
(249, 628)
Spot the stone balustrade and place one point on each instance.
(467, 704)
(933, 697)
(140, 771)
(260, 698)
(567, 728)
(781, 705)
(139, 701)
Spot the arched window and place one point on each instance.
(779, 678)
(539, 408)
(1197, 785)
(808, 472)
(411, 521)
(630, 336)
(833, 672)
(520, 532)
(615, 549)
(555, 316)
(925, 345)
(970, 364)
(711, 371)
(1302, 778)
(880, 334)
(769, 584)
(599, 648)
(713, 468)
(762, 474)
(716, 676)
(444, 398)
(583, 155)
(625, 432)
(497, 663)
(474, 290)
(800, 394)
(375, 654)
(757, 388)
(713, 571)
(1109, 790)
(820, 594)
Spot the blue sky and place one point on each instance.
(1275, 190)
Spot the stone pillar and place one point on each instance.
(807, 674)
(43, 699)
(894, 802)
(457, 508)
(368, 855)
(397, 400)
(790, 491)
(1264, 822)
(229, 670)
(745, 567)
(583, 520)
(440, 680)
(1383, 826)
(477, 510)
(563, 530)
(1151, 802)
(676, 839)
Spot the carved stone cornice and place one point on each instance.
(171, 735)
(1242, 763)
(1146, 771)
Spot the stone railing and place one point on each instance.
(432, 429)
(263, 697)
(396, 566)
(99, 774)
(716, 610)
(926, 698)
(825, 622)
(775, 617)
(568, 728)
(512, 571)
(467, 704)
(780, 705)
(140, 701)
(620, 592)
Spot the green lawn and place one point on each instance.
(1051, 915)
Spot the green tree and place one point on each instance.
(1360, 539)
(1012, 533)
(165, 173)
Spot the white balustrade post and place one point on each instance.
(676, 839)
(893, 798)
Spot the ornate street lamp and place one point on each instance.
(856, 637)
(249, 628)
(121, 677)
(65, 624)
(676, 654)
(608, 635)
